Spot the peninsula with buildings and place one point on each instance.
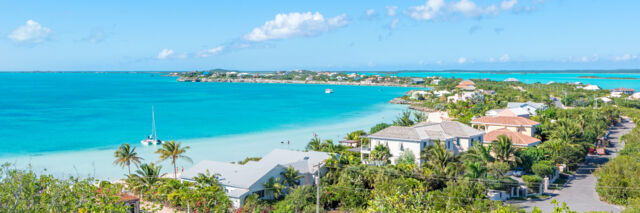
(301, 77)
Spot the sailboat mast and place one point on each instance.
(153, 124)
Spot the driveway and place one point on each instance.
(580, 193)
(557, 102)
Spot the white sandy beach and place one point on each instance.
(98, 163)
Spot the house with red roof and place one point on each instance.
(517, 139)
(517, 124)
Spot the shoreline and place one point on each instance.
(270, 81)
(611, 78)
(97, 162)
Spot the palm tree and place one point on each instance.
(419, 117)
(404, 119)
(314, 144)
(291, 177)
(478, 153)
(504, 150)
(380, 153)
(173, 150)
(357, 136)
(273, 186)
(125, 155)
(207, 179)
(475, 170)
(567, 130)
(147, 176)
(439, 159)
(328, 146)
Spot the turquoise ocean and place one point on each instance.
(70, 123)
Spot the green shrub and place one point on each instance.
(543, 168)
(532, 181)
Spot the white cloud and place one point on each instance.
(32, 31)
(508, 4)
(462, 60)
(394, 23)
(466, 7)
(492, 59)
(370, 12)
(505, 58)
(626, 57)
(165, 53)
(391, 10)
(435, 8)
(584, 59)
(427, 11)
(471, 9)
(210, 52)
(296, 25)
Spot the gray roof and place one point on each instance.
(244, 176)
(528, 103)
(428, 131)
(397, 132)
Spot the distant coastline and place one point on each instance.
(616, 78)
(612, 71)
(272, 81)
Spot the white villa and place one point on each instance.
(240, 181)
(456, 136)
(529, 106)
(414, 94)
(591, 87)
(440, 93)
(464, 96)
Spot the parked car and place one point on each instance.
(518, 173)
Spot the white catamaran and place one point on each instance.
(153, 138)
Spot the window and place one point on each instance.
(260, 193)
(401, 147)
(458, 141)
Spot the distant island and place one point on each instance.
(302, 77)
(599, 77)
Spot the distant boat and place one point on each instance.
(328, 91)
(152, 139)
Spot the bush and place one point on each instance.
(543, 168)
(532, 181)
(300, 199)
(406, 157)
(530, 156)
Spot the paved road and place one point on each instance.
(580, 194)
(558, 103)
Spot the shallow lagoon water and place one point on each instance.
(70, 123)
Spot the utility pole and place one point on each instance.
(318, 187)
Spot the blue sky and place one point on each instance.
(321, 35)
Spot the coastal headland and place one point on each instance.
(272, 81)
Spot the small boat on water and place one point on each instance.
(152, 139)
(328, 91)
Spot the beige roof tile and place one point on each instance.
(504, 120)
